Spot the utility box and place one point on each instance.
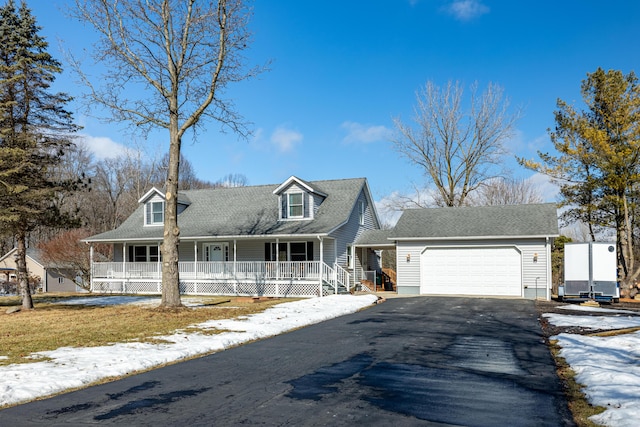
(590, 272)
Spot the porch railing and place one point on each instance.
(210, 270)
(270, 278)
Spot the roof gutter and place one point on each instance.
(414, 239)
(212, 237)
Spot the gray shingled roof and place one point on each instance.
(374, 238)
(483, 221)
(245, 211)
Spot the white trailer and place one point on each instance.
(590, 272)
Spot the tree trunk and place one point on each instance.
(171, 239)
(629, 237)
(23, 275)
(625, 247)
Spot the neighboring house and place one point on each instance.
(291, 239)
(52, 278)
(487, 251)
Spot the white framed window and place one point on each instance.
(349, 256)
(361, 211)
(289, 251)
(60, 279)
(144, 253)
(154, 214)
(296, 205)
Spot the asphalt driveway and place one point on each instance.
(409, 361)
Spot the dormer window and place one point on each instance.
(154, 213)
(298, 199)
(296, 205)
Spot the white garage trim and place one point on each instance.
(471, 270)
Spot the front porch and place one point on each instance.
(245, 278)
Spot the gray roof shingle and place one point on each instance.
(245, 211)
(482, 221)
(374, 238)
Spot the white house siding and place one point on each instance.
(316, 202)
(408, 267)
(182, 207)
(348, 233)
(186, 251)
(536, 275)
(117, 252)
(408, 257)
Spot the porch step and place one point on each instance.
(328, 289)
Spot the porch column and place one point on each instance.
(235, 256)
(549, 277)
(159, 265)
(124, 266)
(91, 266)
(195, 259)
(321, 257)
(277, 257)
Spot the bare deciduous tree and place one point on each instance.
(506, 191)
(67, 254)
(457, 150)
(182, 54)
(187, 180)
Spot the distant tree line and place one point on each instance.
(109, 194)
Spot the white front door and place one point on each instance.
(216, 252)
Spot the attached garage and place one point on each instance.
(489, 271)
(482, 251)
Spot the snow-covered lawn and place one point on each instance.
(76, 367)
(608, 367)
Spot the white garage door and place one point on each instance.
(471, 271)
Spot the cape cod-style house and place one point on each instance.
(290, 239)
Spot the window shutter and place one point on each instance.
(310, 251)
(267, 251)
(283, 206)
(305, 205)
(147, 208)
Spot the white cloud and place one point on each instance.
(466, 10)
(357, 132)
(285, 139)
(549, 190)
(103, 147)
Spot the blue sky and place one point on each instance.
(341, 70)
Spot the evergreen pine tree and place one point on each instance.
(35, 130)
